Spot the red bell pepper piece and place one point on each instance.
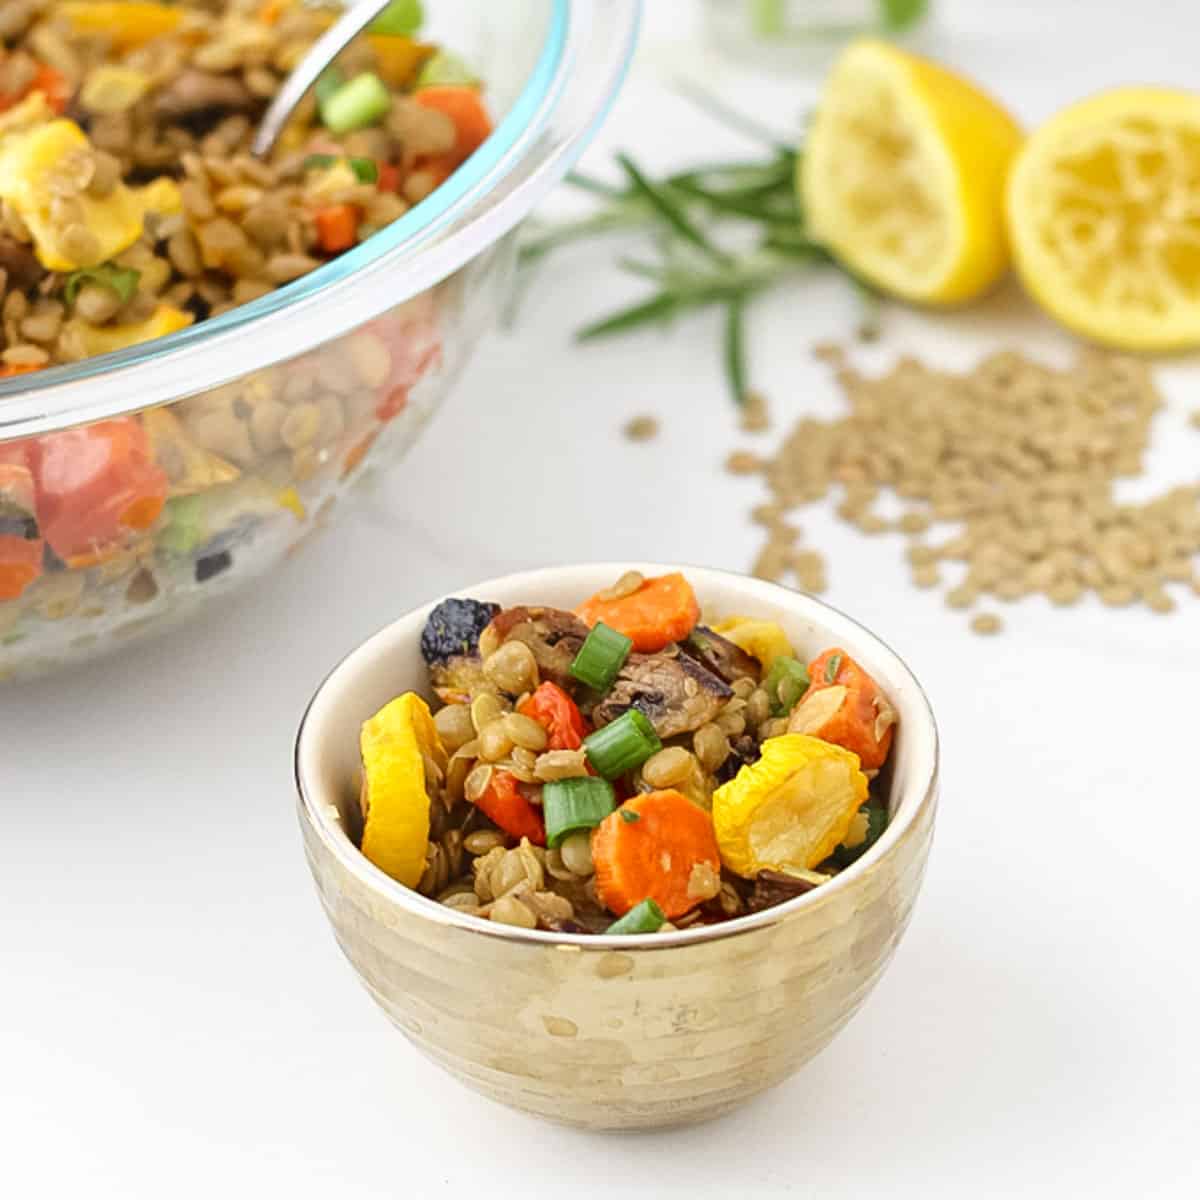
(506, 806)
(96, 484)
(558, 714)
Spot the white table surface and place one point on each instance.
(175, 1019)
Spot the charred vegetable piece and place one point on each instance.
(844, 705)
(676, 693)
(453, 628)
(658, 612)
(765, 640)
(554, 635)
(725, 659)
(789, 810)
(508, 807)
(558, 714)
(397, 743)
(774, 887)
(658, 857)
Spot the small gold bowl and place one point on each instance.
(615, 1032)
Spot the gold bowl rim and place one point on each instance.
(916, 718)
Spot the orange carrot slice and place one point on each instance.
(465, 108)
(506, 806)
(649, 848)
(337, 227)
(662, 610)
(845, 706)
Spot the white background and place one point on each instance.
(175, 1019)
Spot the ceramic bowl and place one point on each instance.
(615, 1032)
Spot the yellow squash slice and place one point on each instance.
(789, 810)
(104, 339)
(395, 744)
(763, 640)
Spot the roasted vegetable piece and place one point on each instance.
(96, 484)
(676, 693)
(21, 546)
(660, 847)
(558, 714)
(454, 627)
(789, 810)
(725, 659)
(127, 24)
(554, 635)
(508, 807)
(844, 705)
(661, 611)
(399, 746)
(765, 640)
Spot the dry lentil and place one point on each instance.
(1024, 456)
(640, 429)
(986, 623)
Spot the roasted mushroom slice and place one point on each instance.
(553, 634)
(676, 693)
(719, 655)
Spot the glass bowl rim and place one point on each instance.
(484, 199)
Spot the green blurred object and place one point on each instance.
(787, 32)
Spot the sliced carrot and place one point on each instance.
(53, 84)
(337, 227)
(647, 850)
(10, 369)
(389, 178)
(558, 714)
(661, 611)
(465, 108)
(845, 706)
(507, 806)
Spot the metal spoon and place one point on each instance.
(324, 50)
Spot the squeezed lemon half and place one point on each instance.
(1104, 217)
(903, 172)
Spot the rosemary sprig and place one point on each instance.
(687, 214)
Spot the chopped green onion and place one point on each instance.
(328, 82)
(444, 69)
(186, 525)
(366, 170)
(832, 667)
(601, 657)
(401, 18)
(122, 280)
(629, 815)
(570, 805)
(621, 746)
(356, 104)
(320, 162)
(786, 683)
(646, 917)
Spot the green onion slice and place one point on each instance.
(570, 805)
(832, 667)
(122, 280)
(356, 104)
(401, 18)
(646, 917)
(624, 744)
(328, 82)
(319, 162)
(366, 170)
(786, 683)
(446, 68)
(601, 657)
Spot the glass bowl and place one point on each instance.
(262, 418)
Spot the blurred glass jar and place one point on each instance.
(786, 34)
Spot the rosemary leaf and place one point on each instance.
(735, 348)
(669, 209)
(657, 308)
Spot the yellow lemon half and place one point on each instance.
(902, 175)
(1104, 217)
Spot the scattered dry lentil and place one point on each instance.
(641, 429)
(986, 623)
(1021, 456)
(755, 415)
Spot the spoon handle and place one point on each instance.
(324, 50)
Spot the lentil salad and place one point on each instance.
(622, 768)
(131, 207)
